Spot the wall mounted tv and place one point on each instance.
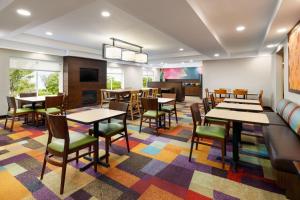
(89, 75)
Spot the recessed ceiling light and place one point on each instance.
(161, 63)
(240, 28)
(49, 33)
(191, 60)
(105, 14)
(271, 46)
(181, 49)
(23, 12)
(281, 30)
(182, 62)
(216, 55)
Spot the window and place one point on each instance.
(33, 76)
(115, 78)
(148, 76)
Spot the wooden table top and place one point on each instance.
(32, 99)
(165, 100)
(241, 107)
(248, 117)
(246, 101)
(94, 115)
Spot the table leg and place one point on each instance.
(237, 126)
(99, 161)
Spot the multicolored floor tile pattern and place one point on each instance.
(156, 168)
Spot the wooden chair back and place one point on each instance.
(206, 93)
(134, 96)
(121, 106)
(11, 102)
(213, 102)
(221, 93)
(58, 127)
(240, 93)
(104, 94)
(260, 97)
(145, 93)
(206, 105)
(150, 104)
(196, 114)
(154, 92)
(54, 102)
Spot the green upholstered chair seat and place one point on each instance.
(211, 131)
(20, 111)
(76, 140)
(49, 110)
(110, 128)
(168, 107)
(152, 113)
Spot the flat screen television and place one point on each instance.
(88, 75)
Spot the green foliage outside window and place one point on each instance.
(113, 84)
(51, 84)
(20, 81)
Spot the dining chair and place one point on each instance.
(212, 100)
(105, 97)
(145, 93)
(110, 129)
(240, 93)
(53, 105)
(260, 97)
(134, 103)
(14, 112)
(206, 132)
(209, 121)
(154, 93)
(170, 108)
(206, 93)
(61, 144)
(220, 94)
(150, 111)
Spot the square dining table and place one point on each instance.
(33, 100)
(237, 118)
(93, 117)
(241, 107)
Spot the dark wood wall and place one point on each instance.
(71, 77)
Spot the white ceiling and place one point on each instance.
(201, 27)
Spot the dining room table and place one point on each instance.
(94, 117)
(241, 107)
(241, 101)
(238, 118)
(33, 100)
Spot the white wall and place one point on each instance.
(5, 56)
(133, 75)
(252, 73)
(288, 95)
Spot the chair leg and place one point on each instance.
(191, 150)
(157, 124)
(141, 123)
(223, 154)
(197, 143)
(106, 149)
(44, 165)
(63, 175)
(96, 150)
(5, 122)
(12, 123)
(127, 140)
(169, 119)
(176, 116)
(77, 155)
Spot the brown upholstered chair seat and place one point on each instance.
(283, 146)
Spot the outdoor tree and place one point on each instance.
(51, 84)
(20, 81)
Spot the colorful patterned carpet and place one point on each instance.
(156, 168)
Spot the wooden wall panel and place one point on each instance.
(72, 85)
